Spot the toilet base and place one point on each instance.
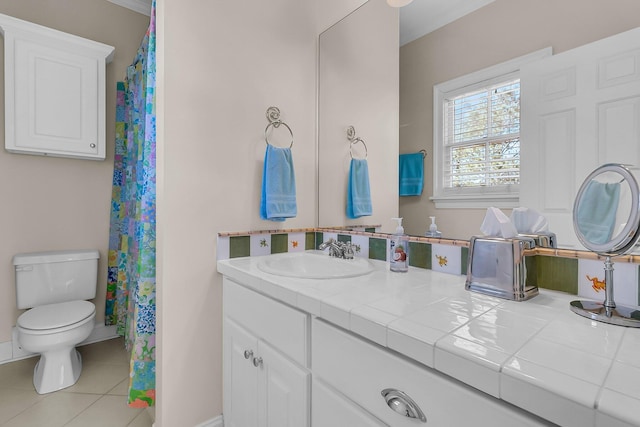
(57, 370)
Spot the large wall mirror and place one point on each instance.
(571, 140)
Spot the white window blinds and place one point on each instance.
(482, 138)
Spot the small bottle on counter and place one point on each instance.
(433, 229)
(399, 252)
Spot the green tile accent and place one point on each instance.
(464, 260)
(558, 274)
(279, 243)
(239, 246)
(370, 230)
(344, 238)
(378, 249)
(310, 241)
(319, 237)
(420, 255)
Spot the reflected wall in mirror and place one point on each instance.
(490, 35)
(606, 218)
(358, 86)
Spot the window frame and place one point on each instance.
(476, 197)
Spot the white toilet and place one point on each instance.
(55, 285)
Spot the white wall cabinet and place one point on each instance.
(54, 91)
(264, 385)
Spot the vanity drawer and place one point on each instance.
(361, 371)
(284, 327)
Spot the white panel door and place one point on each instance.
(579, 109)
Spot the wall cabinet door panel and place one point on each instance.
(54, 91)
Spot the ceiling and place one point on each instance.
(424, 16)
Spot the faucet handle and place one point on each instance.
(349, 251)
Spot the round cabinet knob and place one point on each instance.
(257, 361)
(401, 403)
(92, 145)
(248, 354)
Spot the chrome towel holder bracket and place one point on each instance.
(273, 116)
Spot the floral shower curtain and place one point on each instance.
(131, 284)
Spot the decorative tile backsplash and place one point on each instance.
(556, 269)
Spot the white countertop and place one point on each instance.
(535, 354)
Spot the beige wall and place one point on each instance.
(54, 203)
(221, 65)
(495, 33)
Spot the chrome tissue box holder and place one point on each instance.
(498, 267)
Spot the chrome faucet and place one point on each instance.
(338, 249)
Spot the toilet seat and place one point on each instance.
(59, 317)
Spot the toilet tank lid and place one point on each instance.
(55, 256)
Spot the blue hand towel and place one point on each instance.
(278, 199)
(411, 174)
(358, 192)
(597, 211)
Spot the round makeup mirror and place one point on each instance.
(606, 219)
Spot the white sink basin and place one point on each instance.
(314, 265)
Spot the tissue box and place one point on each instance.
(498, 267)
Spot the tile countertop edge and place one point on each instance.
(287, 290)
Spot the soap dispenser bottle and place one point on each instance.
(399, 251)
(433, 229)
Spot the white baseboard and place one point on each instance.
(10, 351)
(214, 422)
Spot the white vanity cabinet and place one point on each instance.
(266, 379)
(361, 371)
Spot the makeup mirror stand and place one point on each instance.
(607, 311)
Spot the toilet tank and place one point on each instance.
(58, 276)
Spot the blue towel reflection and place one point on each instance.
(597, 211)
(411, 168)
(358, 191)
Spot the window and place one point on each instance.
(482, 137)
(477, 138)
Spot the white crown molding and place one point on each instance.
(140, 6)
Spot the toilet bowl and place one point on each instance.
(55, 287)
(54, 330)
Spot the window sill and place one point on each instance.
(507, 201)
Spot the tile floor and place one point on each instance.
(98, 398)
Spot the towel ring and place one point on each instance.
(424, 153)
(273, 115)
(354, 142)
(353, 139)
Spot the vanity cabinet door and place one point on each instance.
(240, 377)
(283, 390)
(265, 380)
(332, 409)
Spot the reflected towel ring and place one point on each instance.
(353, 139)
(424, 153)
(273, 115)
